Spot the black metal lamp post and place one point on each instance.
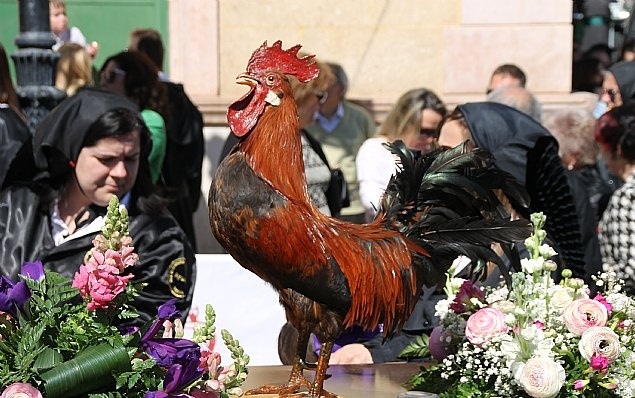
(35, 62)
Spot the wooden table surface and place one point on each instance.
(348, 381)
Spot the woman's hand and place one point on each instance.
(351, 354)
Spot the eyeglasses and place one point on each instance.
(111, 76)
(429, 133)
(611, 92)
(321, 96)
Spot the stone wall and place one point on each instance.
(386, 47)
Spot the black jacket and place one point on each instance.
(166, 261)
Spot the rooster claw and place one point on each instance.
(286, 390)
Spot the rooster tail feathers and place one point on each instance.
(447, 202)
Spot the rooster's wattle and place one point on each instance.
(332, 274)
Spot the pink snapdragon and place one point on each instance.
(211, 364)
(100, 280)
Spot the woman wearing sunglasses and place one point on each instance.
(618, 87)
(413, 119)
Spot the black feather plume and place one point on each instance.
(446, 202)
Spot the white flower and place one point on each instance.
(563, 295)
(599, 340)
(540, 377)
(504, 306)
(546, 251)
(532, 265)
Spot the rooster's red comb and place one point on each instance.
(286, 61)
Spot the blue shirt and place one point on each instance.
(330, 124)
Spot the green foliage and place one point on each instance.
(417, 348)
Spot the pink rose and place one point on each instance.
(579, 315)
(21, 390)
(598, 341)
(484, 324)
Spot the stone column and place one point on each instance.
(35, 62)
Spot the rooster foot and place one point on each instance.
(286, 390)
(306, 394)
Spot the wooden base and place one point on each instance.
(348, 381)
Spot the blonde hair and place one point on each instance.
(58, 4)
(404, 118)
(74, 68)
(302, 91)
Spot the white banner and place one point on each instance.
(245, 305)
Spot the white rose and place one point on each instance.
(599, 340)
(541, 377)
(563, 295)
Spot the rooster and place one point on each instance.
(331, 274)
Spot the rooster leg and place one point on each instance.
(316, 390)
(296, 379)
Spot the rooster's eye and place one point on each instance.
(270, 80)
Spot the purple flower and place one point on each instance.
(180, 374)
(33, 271)
(167, 311)
(13, 296)
(169, 351)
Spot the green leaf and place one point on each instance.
(89, 371)
(417, 348)
(47, 359)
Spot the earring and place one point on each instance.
(570, 166)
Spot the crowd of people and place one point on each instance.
(129, 131)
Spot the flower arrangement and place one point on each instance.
(59, 338)
(538, 339)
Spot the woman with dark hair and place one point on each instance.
(90, 147)
(615, 134)
(413, 119)
(525, 149)
(14, 133)
(132, 74)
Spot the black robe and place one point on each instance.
(166, 261)
(15, 144)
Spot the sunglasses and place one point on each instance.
(321, 96)
(429, 133)
(611, 92)
(111, 76)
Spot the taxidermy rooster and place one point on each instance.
(332, 274)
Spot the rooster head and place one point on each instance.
(265, 74)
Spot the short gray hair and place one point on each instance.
(519, 98)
